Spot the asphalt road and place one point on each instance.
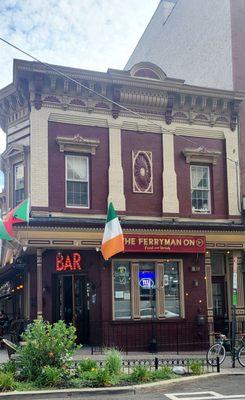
(218, 387)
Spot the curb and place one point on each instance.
(162, 384)
(54, 394)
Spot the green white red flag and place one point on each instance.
(19, 214)
(113, 241)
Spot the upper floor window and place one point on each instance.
(19, 183)
(200, 189)
(77, 179)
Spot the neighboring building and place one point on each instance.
(173, 178)
(203, 41)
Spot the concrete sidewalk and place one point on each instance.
(85, 352)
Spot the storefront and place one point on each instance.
(12, 294)
(168, 290)
(153, 293)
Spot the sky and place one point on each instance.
(90, 34)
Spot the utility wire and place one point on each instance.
(135, 113)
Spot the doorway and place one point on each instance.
(219, 304)
(71, 300)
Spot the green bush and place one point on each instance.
(87, 365)
(7, 381)
(113, 361)
(140, 374)
(163, 373)
(196, 367)
(49, 377)
(101, 377)
(45, 345)
(9, 366)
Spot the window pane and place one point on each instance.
(200, 189)
(19, 176)
(122, 295)
(77, 168)
(147, 289)
(171, 286)
(19, 196)
(77, 193)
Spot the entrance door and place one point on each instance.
(219, 304)
(71, 298)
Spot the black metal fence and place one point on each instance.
(156, 363)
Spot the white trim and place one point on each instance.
(209, 209)
(86, 181)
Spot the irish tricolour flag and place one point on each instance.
(113, 241)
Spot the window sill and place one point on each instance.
(147, 320)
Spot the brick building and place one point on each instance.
(203, 41)
(165, 153)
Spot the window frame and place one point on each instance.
(87, 181)
(201, 211)
(15, 166)
(160, 290)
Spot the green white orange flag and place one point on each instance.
(113, 241)
(19, 214)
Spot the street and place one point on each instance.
(221, 387)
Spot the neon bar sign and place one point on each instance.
(68, 263)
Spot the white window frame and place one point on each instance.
(87, 181)
(201, 210)
(18, 164)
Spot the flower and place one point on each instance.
(51, 354)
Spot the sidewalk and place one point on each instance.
(85, 352)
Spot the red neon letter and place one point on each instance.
(76, 261)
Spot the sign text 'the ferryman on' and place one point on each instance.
(164, 243)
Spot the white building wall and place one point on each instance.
(194, 43)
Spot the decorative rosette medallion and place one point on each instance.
(142, 172)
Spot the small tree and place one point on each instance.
(45, 345)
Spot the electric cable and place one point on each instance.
(135, 113)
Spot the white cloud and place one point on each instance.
(90, 34)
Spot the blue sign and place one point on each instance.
(147, 279)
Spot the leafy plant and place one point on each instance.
(113, 361)
(196, 367)
(102, 378)
(45, 345)
(87, 365)
(9, 366)
(50, 376)
(140, 374)
(7, 381)
(163, 373)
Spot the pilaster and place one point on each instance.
(116, 186)
(170, 203)
(39, 284)
(233, 174)
(39, 157)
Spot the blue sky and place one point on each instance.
(90, 34)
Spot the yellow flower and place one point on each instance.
(51, 354)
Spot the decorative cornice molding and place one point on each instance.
(201, 155)
(78, 144)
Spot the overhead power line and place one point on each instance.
(135, 113)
